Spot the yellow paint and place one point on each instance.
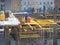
(46, 28)
(2, 17)
(29, 35)
(45, 22)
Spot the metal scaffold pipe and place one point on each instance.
(55, 29)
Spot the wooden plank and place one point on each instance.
(29, 35)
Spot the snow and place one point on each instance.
(12, 20)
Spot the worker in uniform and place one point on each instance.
(29, 19)
(26, 17)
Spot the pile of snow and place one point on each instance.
(11, 21)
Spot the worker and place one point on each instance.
(29, 19)
(26, 17)
(7, 13)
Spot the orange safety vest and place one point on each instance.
(29, 19)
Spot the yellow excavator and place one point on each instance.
(28, 28)
(35, 25)
(2, 16)
(31, 23)
(44, 24)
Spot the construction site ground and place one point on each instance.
(23, 41)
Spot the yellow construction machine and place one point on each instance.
(32, 24)
(35, 26)
(28, 29)
(46, 24)
(2, 16)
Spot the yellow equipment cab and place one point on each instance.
(2, 16)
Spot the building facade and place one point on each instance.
(5, 4)
(2, 4)
(57, 4)
(38, 5)
(28, 5)
(8, 4)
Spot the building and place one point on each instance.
(12, 5)
(16, 5)
(25, 5)
(57, 4)
(38, 5)
(2, 4)
(5, 5)
(8, 4)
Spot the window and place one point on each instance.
(2, 7)
(25, 3)
(2, 0)
(51, 2)
(24, 9)
(47, 2)
(40, 3)
(59, 9)
(43, 2)
(51, 8)
(44, 8)
(40, 9)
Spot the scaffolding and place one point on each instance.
(44, 31)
